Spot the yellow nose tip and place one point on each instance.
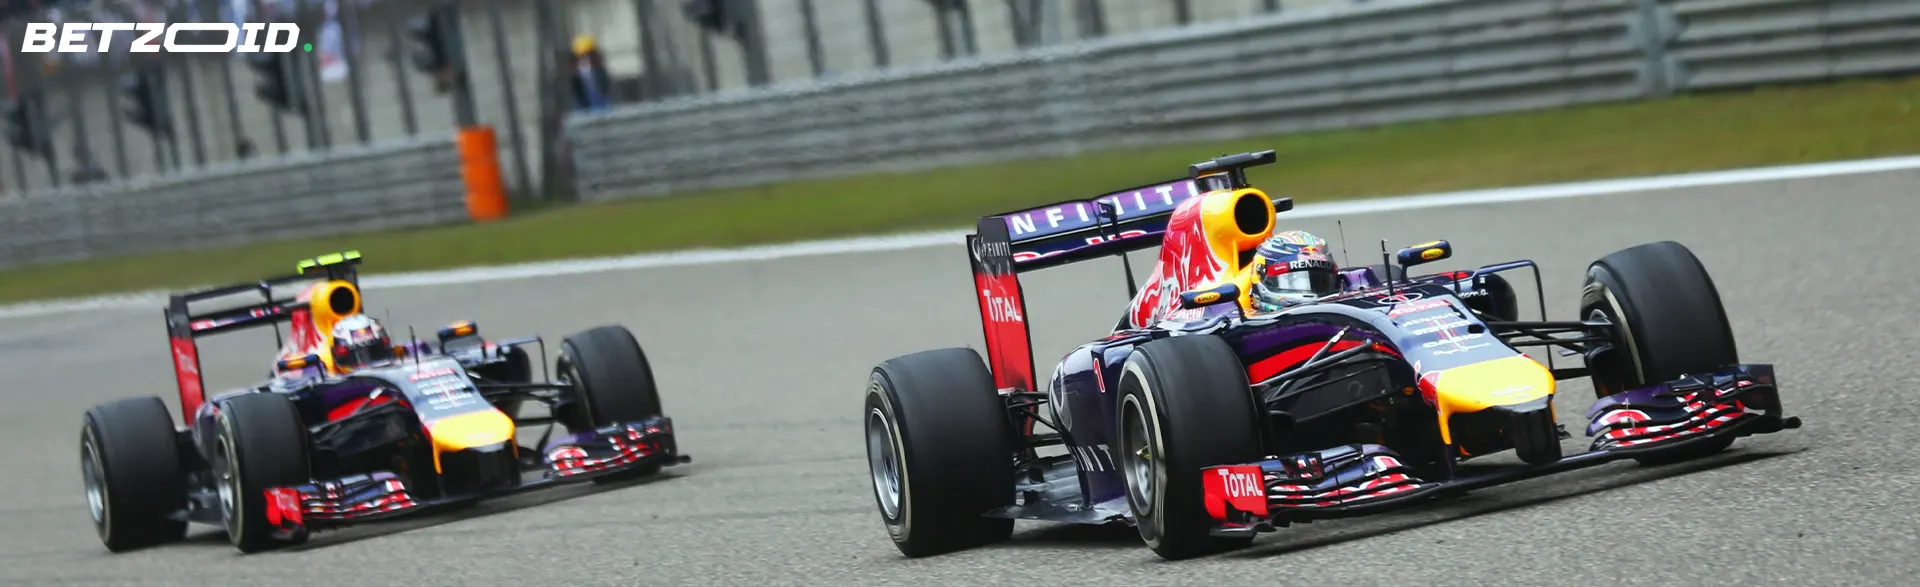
(469, 430)
(1500, 382)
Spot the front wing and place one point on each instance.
(1365, 479)
(297, 510)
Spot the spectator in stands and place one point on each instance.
(591, 84)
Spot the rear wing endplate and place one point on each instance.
(1005, 245)
(184, 327)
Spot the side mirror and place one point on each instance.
(457, 330)
(1282, 204)
(298, 363)
(1424, 253)
(1201, 298)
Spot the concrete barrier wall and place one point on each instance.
(407, 183)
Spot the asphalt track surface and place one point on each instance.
(763, 364)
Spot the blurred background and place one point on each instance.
(374, 73)
(618, 100)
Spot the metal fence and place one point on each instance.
(730, 92)
(357, 87)
(76, 143)
(1382, 63)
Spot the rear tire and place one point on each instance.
(940, 450)
(263, 444)
(130, 465)
(1185, 401)
(612, 382)
(1668, 322)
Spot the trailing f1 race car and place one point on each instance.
(1208, 415)
(353, 426)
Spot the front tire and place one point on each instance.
(130, 466)
(612, 382)
(263, 444)
(1184, 406)
(1668, 322)
(940, 451)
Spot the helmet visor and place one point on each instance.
(1310, 282)
(361, 354)
(360, 346)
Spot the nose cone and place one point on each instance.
(1507, 381)
(470, 430)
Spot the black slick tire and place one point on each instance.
(1668, 321)
(940, 446)
(1195, 408)
(130, 464)
(612, 383)
(261, 443)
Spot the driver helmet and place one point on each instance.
(1293, 267)
(359, 341)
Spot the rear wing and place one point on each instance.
(1078, 230)
(184, 327)
(1005, 245)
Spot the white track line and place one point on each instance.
(154, 299)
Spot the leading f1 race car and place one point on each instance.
(353, 426)
(1206, 417)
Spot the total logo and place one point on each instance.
(1239, 485)
(1417, 307)
(185, 363)
(1001, 309)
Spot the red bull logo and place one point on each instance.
(1186, 262)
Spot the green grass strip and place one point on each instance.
(1784, 125)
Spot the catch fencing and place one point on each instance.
(800, 89)
(1381, 63)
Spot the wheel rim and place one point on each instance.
(1619, 333)
(566, 374)
(884, 463)
(92, 476)
(229, 487)
(1136, 455)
